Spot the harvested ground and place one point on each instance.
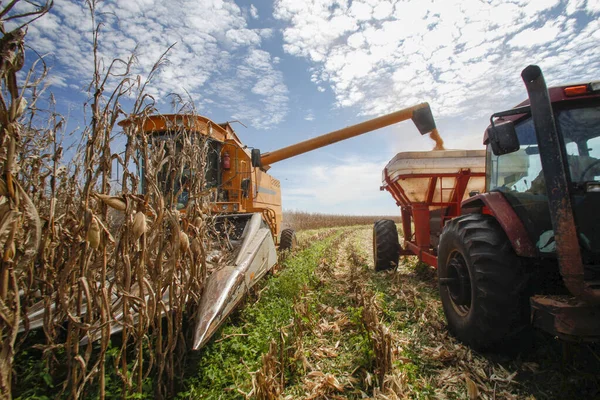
(349, 332)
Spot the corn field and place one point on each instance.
(301, 220)
(82, 247)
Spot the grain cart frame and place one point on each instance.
(527, 249)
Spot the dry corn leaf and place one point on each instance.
(196, 247)
(472, 390)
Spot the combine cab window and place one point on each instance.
(213, 175)
(180, 184)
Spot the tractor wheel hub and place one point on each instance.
(458, 282)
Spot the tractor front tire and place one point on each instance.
(287, 240)
(386, 245)
(482, 282)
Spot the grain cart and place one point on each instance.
(243, 196)
(523, 247)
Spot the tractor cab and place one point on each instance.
(519, 176)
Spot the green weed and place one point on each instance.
(223, 367)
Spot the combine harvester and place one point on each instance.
(248, 198)
(513, 230)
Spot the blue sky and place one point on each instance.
(291, 70)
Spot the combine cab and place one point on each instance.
(525, 246)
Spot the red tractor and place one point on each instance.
(526, 249)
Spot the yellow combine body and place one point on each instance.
(241, 188)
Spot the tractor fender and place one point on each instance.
(496, 205)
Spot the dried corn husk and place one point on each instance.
(184, 241)
(20, 109)
(93, 233)
(139, 225)
(112, 201)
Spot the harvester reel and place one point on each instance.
(386, 245)
(483, 286)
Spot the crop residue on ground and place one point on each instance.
(348, 332)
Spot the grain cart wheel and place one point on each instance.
(386, 246)
(287, 240)
(482, 282)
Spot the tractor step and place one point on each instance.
(566, 317)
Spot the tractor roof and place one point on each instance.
(559, 94)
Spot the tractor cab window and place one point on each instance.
(580, 129)
(517, 172)
(521, 171)
(519, 177)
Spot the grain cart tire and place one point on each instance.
(482, 283)
(386, 246)
(287, 240)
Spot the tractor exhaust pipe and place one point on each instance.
(554, 165)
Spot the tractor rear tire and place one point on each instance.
(287, 240)
(386, 245)
(483, 284)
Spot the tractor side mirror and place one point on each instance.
(423, 120)
(503, 138)
(256, 158)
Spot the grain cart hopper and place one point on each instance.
(523, 248)
(243, 196)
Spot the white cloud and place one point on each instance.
(253, 11)
(351, 181)
(309, 116)
(534, 37)
(593, 6)
(463, 56)
(214, 49)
